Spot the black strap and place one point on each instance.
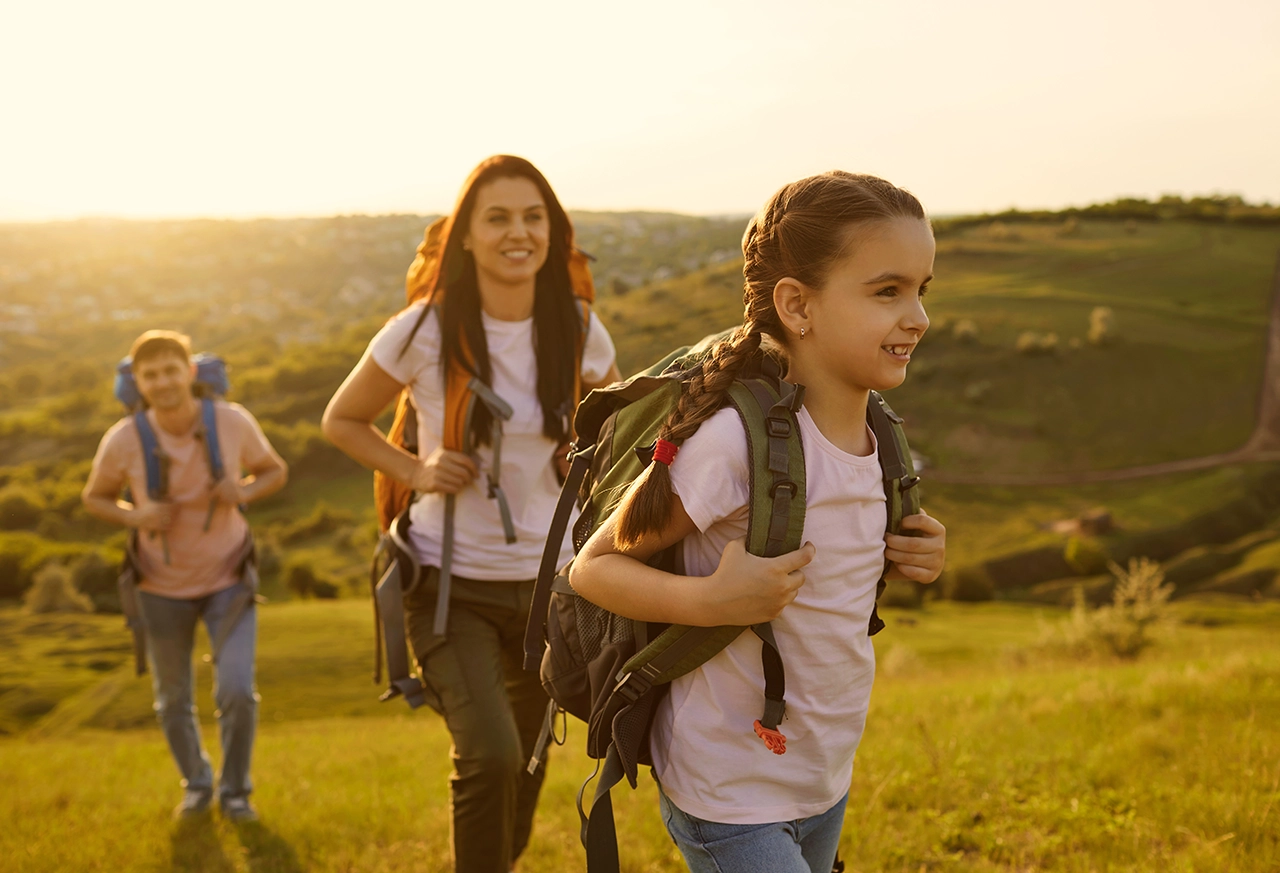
(535, 630)
(599, 833)
(775, 678)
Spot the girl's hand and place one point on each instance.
(444, 472)
(917, 558)
(229, 491)
(747, 589)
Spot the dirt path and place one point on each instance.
(1262, 445)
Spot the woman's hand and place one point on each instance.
(444, 472)
(747, 589)
(917, 558)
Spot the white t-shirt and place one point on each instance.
(528, 474)
(709, 759)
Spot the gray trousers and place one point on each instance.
(171, 630)
(493, 708)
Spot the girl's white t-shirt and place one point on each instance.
(528, 475)
(705, 752)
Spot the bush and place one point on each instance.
(20, 508)
(969, 584)
(976, 392)
(323, 520)
(1031, 343)
(965, 332)
(52, 591)
(1101, 326)
(95, 577)
(1024, 569)
(323, 589)
(301, 579)
(1086, 556)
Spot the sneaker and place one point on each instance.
(194, 803)
(238, 810)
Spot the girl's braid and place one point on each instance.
(646, 508)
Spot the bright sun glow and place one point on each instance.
(287, 108)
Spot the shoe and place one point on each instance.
(238, 810)
(194, 803)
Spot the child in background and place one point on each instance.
(836, 269)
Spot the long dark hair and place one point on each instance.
(556, 324)
(801, 233)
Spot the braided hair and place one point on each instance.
(804, 230)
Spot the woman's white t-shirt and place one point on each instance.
(528, 473)
(705, 752)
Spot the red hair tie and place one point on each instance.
(665, 452)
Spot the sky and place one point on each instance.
(266, 108)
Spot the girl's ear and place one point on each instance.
(791, 299)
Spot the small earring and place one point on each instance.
(802, 333)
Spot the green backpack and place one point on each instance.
(611, 671)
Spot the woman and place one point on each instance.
(499, 307)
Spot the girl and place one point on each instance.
(506, 312)
(836, 271)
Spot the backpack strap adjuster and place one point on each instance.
(778, 428)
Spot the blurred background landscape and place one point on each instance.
(1093, 684)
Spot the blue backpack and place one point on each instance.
(211, 382)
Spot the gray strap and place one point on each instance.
(247, 592)
(446, 568)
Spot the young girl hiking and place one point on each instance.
(500, 310)
(836, 271)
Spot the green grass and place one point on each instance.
(983, 752)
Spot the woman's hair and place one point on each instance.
(801, 233)
(556, 323)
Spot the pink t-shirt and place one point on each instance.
(201, 561)
(710, 761)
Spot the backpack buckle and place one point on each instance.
(909, 482)
(784, 483)
(633, 685)
(778, 428)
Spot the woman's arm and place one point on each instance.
(348, 424)
(744, 589)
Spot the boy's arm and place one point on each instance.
(101, 499)
(265, 471)
(744, 589)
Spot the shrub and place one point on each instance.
(95, 577)
(970, 584)
(976, 392)
(20, 508)
(324, 519)
(1031, 343)
(1124, 627)
(1085, 555)
(1101, 326)
(52, 591)
(301, 579)
(1024, 569)
(965, 332)
(324, 589)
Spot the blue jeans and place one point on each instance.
(804, 845)
(171, 630)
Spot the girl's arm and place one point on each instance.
(744, 589)
(348, 424)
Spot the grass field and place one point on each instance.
(984, 751)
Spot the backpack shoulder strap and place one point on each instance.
(150, 455)
(899, 473)
(212, 448)
(902, 498)
(777, 487)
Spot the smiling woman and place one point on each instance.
(490, 362)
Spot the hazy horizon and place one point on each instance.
(147, 110)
